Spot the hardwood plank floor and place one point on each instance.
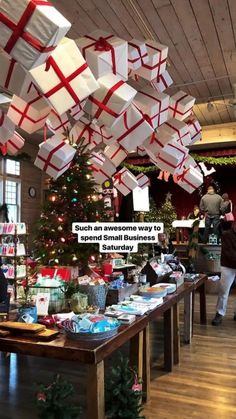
(203, 385)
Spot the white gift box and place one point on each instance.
(190, 179)
(141, 151)
(65, 79)
(156, 142)
(179, 130)
(102, 167)
(55, 156)
(111, 100)
(162, 82)
(125, 181)
(77, 111)
(137, 54)
(181, 105)
(153, 104)
(189, 161)
(171, 157)
(156, 64)
(195, 130)
(58, 123)
(7, 128)
(116, 153)
(91, 133)
(132, 75)
(132, 129)
(15, 144)
(29, 114)
(105, 54)
(143, 180)
(30, 30)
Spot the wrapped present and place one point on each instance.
(162, 82)
(30, 113)
(30, 30)
(116, 153)
(58, 123)
(13, 76)
(141, 151)
(132, 75)
(15, 144)
(143, 180)
(189, 161)
(125, 181)
(7, 128)
(137, 54)
(102, 167)
(190, 179)
(181, 105)
(132, 129)
(65, 79)
(179, 130)
(55, 156)
(111, 100)
(194, 130)
(156, 64)
(153, 104)
(77, 111)
(156, 142)
(92, 134)
(105, 54)
(172, 157)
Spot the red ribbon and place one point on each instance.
(24, 113)
(120, 148)
(2, 118)
(50, 154)
(65, 81)
(101, 44)
(18, 29)
(3, 149)
(174, 129)
(90, 131)
(118, 177)
(141, 56)
(62, 124)
(14, 144)
(95, 169)
(9, 73)
(182, 178)
(158, 65)
(175, 108)
(102, 105)
(131, 129)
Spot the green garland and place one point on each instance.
(220, 161)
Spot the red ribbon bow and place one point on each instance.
(102, 45)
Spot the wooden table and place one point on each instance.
(94, 353)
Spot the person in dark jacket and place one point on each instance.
(228, 272)
(3, 287)
(210, 205)
(226, 208)
(195, 214)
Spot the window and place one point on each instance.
(10, 188)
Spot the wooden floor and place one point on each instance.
(202, 386)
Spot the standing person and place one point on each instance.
(227, 217)
(228, 272)
(210, 204)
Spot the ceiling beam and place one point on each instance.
(218, 136)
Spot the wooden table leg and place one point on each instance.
(95, 391)
(136, 353)
(146, 364)
(176, 334)
(168, 340)
(188, 318)
(203, 313)
(177, 235)
(193, 309)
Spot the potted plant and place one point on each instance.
(27, 310)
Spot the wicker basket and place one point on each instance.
(96, 294)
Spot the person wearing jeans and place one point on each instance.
(228, 273)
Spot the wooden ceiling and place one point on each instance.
(200, 35)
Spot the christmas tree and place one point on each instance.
(73, 197)
(164, 214)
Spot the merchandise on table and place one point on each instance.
(9, 271)
(154, 292)
(91, 327)
(171, 288)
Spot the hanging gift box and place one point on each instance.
(181, 105)
(156, 64)
(29, 114)
(125, 181)
(105, 54)
(195, 130)
(116, 153)
(58, 123)
(77, 111)
(153, 104)
(132, 75)
(30, 30)
(156, 142)
(102, 168)
(190, 179)
(179, 130)
(91, 134)
(189, 161)
(162, 82)
(132, 129)
(55, 156)
(15, 144)
(7, 128)
(111, 100)
(141, 151)
(137, 54)
(65, 79)
(143, 180)
(172, 157)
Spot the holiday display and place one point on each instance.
(153, 104)
(181, 105)
(156, 64)
(7, 128)
(137, 54)
(194, 130)
(124, 181)
(58, 123)
(162, 82)
(172, 157)
(102, 167)
(143, 180)
(179, 131)
(116, 153)
(13, 76)
(90, 133)
(156, 142)
(15, 143)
